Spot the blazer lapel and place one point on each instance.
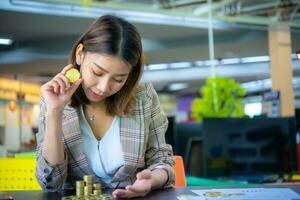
(73, 140)
(132, 142)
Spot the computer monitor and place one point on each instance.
(2, 135)
(249, 147)
(183, 132)
(169, 135)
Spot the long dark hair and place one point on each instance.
(112, 35)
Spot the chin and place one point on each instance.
(95, 100)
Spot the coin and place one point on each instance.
(79, 183)
(97, 186)
(97, 192)
(88, 190)
(72, 75)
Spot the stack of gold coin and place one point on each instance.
(69, 198)
(97, 189)
(88, 197)
(88, 180)
(79, 188)
(88, 188)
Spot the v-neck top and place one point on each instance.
(105, 156)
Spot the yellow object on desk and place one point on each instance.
(295, 177)
(18, 174)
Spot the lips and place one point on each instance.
(96, 95)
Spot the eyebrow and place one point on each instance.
(108, 71)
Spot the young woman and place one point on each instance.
(105, 124)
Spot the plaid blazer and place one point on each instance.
(142, 139)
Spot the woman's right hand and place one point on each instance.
(58, 91)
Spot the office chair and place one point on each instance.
(180, 179)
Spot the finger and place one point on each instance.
(55, 86)
(66, 68)
(50, 86)
(136, 189)
(75, 85)
(61, 84)
(47, 86)
(120, 193)
(65, 80)
(117, 193)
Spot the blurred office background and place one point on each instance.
(36, 37)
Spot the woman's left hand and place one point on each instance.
(141, 187)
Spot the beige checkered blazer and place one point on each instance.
(142, 139)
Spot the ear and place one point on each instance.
(79, 54)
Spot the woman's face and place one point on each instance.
(103, 75)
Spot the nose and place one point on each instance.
(103, 86)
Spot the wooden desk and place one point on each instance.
(169, 194)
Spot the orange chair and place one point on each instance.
(180, 179)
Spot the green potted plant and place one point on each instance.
(221, 97)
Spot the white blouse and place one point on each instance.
(105, 156)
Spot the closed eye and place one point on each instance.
(119, 81)
(97, 73)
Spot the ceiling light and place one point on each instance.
(298, 55)
(199, 63)
(255, 59)
(157, 66)
(5, 41)
(229, 61)
(257, 85)
(178, 86)
(180, 65)
(211, 62)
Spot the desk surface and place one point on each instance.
(169, 194)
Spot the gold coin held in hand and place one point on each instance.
(72, 75)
